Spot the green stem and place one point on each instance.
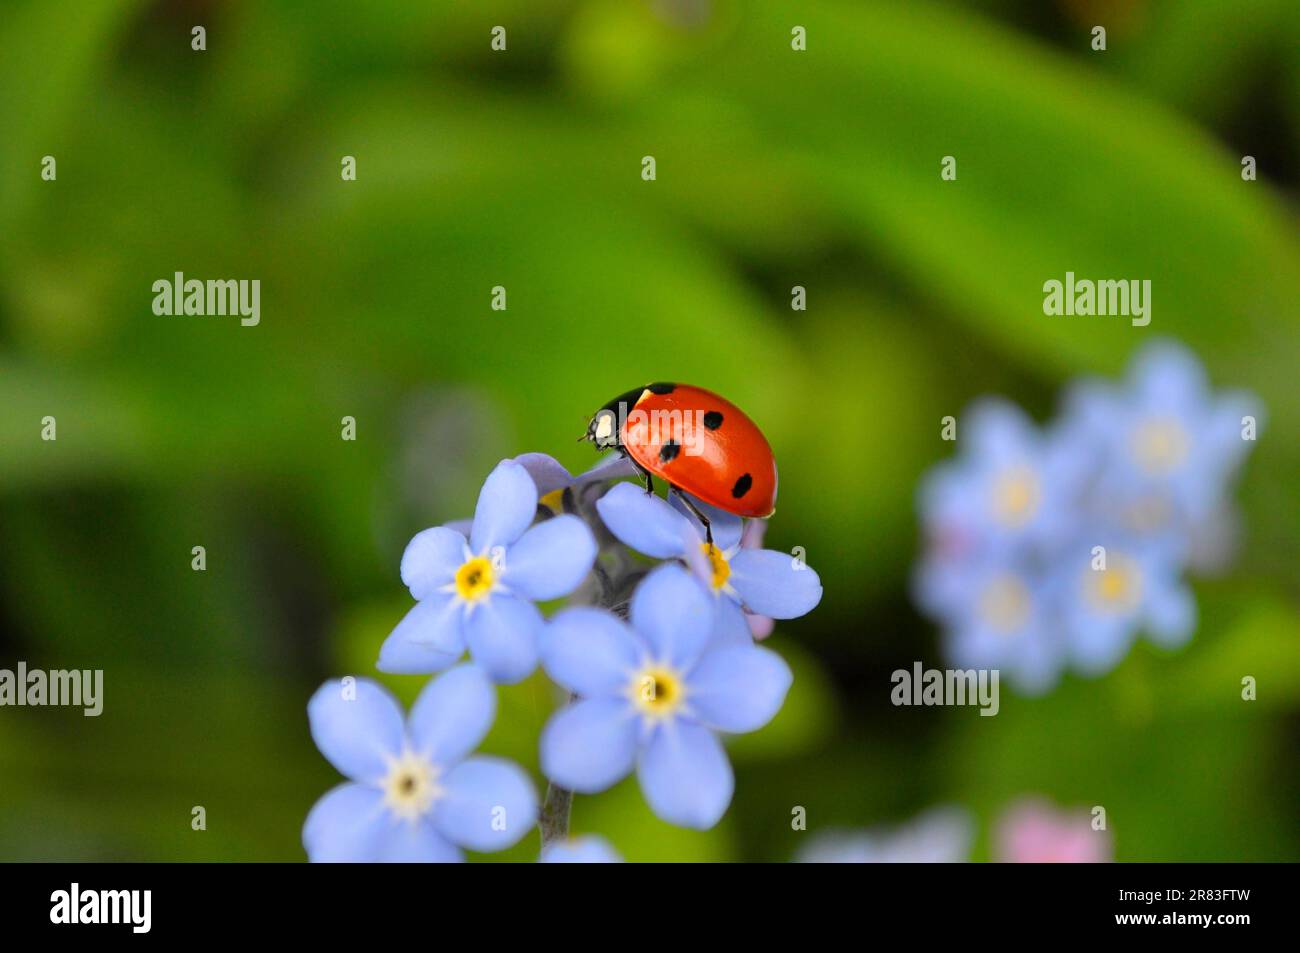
(554, 822)
(558, 803)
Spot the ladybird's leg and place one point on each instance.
(642, 472)
(708, 530)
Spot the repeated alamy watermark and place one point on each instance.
(215, 296)
(933, 686)
(683, 429)
(1129, 298)
(82, 688)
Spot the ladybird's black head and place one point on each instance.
(607, 423)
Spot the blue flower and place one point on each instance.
(1168, 447)
(1010, 486)
(743, 580)
(652, 695)
(590, 849)
(1141, 470)
(414, 795)
(1103, 609)
(553, 478)
(1007, 621)
(479, 592)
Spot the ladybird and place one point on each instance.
(696, 442)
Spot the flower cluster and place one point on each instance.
(658, 661)
(1051, 549)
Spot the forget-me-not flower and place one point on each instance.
(1108, 590)
(1167, 446)
(1011, 484)
(1005, 620)
(478, 592)
(1057, 550)
(414, 792)
(652, 695)
(744, 580)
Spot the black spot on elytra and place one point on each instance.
(742, 486)
(668, 452)
(661, 388)
(713, 420)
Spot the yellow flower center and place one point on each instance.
(1160, 445)
(1004, 604)
(1116, 588)
(411, 786)
(474, 579)
(657, 692)
(717, 563)
(1016, 496)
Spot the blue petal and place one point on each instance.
(997, 430)
(406, 842)
(697, 560)
(738, 689)
(645, 522)
(357, 731)
(346, 825)
(548, 473)
(487, 804)
(428, 639)
(506, 507)
(502, 636)
(589, 651)
(770, 584)
(1167, 374)
(589, 849)
(437, 621)
(685, 775)
(590, 744)
(1170, 614)
(615, 467)
(452, 715)
(431, 560)
(731, 626)
(726, 527)
(551, 559)
(675, 615)
(400, 657)
(1098, 642)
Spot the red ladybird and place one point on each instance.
(697, 442)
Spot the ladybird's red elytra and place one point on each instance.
(695, 441)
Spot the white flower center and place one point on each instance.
(411, 786)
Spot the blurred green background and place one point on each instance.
(475, 169)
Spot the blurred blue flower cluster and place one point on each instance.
(651, 694)
(1051, 549)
